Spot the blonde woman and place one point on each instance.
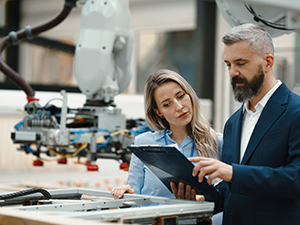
(173, 112)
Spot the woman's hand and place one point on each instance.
(118, 192)
(186, 193)
(182, 192)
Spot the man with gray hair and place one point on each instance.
(260, 165)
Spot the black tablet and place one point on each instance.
(168, 164)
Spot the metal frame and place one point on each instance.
(100, 206)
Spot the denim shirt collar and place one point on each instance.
(159, 136)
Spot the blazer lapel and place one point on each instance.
(271, 112)
(236, 136)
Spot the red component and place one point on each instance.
(124, 166)
(62, 161)
(92, 167)
(30, 99)
(78, 162)
(37, 163)
(88, 162)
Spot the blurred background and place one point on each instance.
(182, 35)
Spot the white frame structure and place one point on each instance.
(93, 205)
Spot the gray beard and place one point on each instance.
(250, 89)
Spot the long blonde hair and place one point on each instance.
(199, 129)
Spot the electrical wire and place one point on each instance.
(18, 125)
(83, 146)
(14, 195)
(258, 18)
(99, 145)
(51, 101)
(78, 137)
(21, 34)
(99, 141)
(119, 132)
(33, 153)
(103, 144)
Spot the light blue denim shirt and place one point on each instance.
(140, 177)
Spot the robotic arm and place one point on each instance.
(277, 17)
(103, 50)
(102, 69)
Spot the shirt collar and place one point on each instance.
(159, 135)
(262, 103)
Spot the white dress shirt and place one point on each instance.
(250, 119)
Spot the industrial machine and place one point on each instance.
(98, 129)
(85, 206)
(102, 69)
(277, 17)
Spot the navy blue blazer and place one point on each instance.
(265, 187)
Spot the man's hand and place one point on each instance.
(213, 168)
